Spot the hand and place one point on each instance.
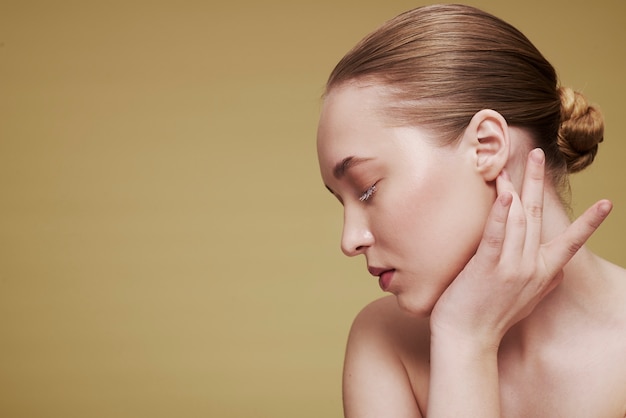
(512, 271)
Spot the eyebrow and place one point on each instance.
(347, 163)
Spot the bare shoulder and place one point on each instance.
(381, 372)
(621, 331)
(611, 337)
(384, 324)
(615, 306)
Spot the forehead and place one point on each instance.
(349, 114)
(348, 103)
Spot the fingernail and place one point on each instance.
(505, 198)
(605, 208)
(537, 156)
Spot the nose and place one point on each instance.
(356, 236)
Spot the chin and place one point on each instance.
(419, 307)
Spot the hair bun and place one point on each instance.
(581, 130)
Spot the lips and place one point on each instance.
(384, 276)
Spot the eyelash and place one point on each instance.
(368, 193)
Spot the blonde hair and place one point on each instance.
(443, 63)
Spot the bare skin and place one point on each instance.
(387, 369)
(522, 321)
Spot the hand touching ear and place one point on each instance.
(512, 270)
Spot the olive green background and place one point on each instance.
(166, 245)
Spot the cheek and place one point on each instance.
(439, 222)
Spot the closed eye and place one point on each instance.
(367, 194)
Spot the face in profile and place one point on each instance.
(415, 209)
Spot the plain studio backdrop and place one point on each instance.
(167, 247)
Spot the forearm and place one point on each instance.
(463, 379)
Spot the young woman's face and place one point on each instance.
(415, 209)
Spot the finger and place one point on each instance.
(532, 199)
(513, 245)
(560, 250)
(490, 246)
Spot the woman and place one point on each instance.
(446, 138)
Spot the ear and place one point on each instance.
(487, 136)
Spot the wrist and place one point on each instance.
(470, 342)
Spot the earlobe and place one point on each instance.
(489, 134)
